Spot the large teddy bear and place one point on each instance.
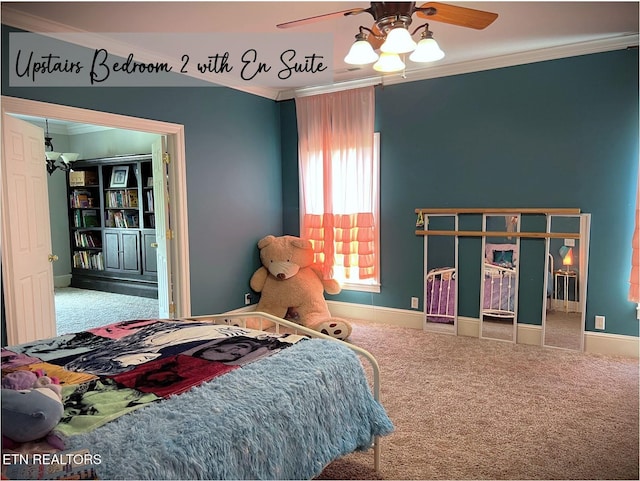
(292, 287)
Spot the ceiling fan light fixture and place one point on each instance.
(398, 41)
(361, 52)
(428, 50)
(389, 62)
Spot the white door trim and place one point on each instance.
(179, 248)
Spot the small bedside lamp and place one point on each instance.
(567, 257)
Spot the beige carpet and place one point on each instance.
(466, 408)
(81, 309)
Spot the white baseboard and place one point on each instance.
(611, 344)
(595, 342)
(382, 315)
(530, 334)
(527, 333)
(468, 326)
(62, 281)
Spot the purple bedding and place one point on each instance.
(440, 304)
(499, 295)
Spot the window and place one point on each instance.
(339, 186)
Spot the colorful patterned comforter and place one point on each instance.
(115, 369)
(137, 386)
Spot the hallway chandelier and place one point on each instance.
(56, 160)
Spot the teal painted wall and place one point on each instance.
(561, 133)
(233, 172)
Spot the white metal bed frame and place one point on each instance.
(266, 322)
(433, 309)
(501, 276)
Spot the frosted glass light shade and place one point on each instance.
(389, 62)
(427, 50)
(398, 41)
(52, 155)
(361, 53)
(69, 157)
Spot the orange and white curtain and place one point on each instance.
(634, 279)
(338, 181)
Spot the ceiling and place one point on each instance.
(524, 32)
(64, 127)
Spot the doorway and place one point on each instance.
(82, 303)
(175, 302)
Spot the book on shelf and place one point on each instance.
(120, 199)
(123, 219)
(88, 260)
(118, 219)
(150, 200)
(90, 218)
(81, 199)
(87, 239)
(132, 198)
(131, 219)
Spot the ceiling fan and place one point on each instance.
(390, 31)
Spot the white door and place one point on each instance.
(163, 236)
(26, 243)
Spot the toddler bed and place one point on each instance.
(498, 298)
(499, 285)
(209, 398)
(440, 295)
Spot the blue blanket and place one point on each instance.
(285, 417)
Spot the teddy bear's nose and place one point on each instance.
(281, 276)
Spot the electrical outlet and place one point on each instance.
(570, 242)
(414, 302)
(247, 298)
(600, 322)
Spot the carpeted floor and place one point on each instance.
(81, 309)
(468, 408)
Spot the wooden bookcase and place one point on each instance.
(112, 225)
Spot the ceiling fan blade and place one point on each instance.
(377, 40)
(317, 18)
(461, 16)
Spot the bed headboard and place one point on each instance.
(491, 250)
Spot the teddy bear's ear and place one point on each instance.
(302, 244)
(265, 241)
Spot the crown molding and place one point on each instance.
(531, 56)
(521, 58)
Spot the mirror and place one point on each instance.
(499, 285)
(440, 293)
(566, 268)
